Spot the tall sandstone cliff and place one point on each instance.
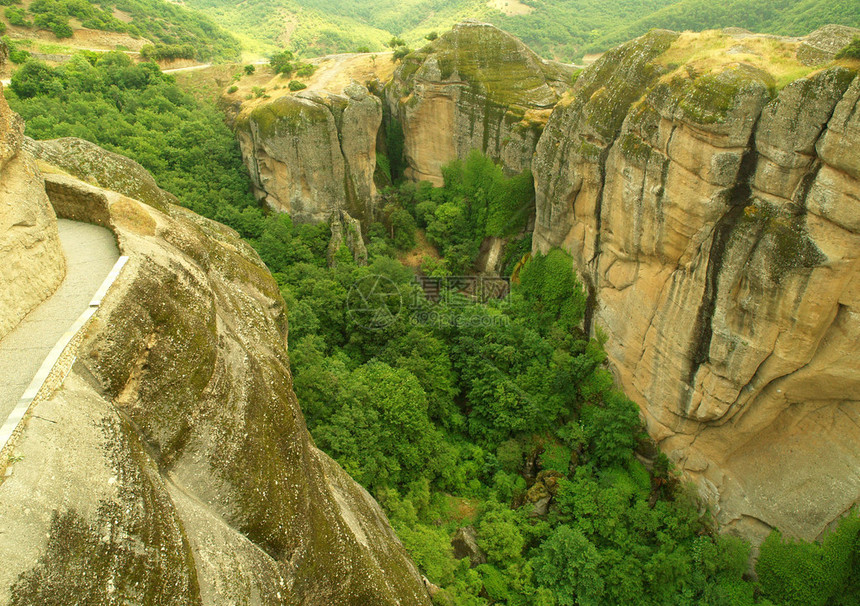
(313, 154)
(716, 222)
(33, 262)
(476, 87)
(173, 465)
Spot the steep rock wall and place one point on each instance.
(174, 466)
(717, 225)
(312, 154)
(33, 263)
(476, 87)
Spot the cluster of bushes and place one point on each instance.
(285, 63)
(167, 52)
(17, 54)
(17, 16)
(852, 51)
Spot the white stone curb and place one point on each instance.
(13, 421)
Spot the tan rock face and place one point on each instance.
(476, 87)
(32, 264)
(312, 154)
(718, 225)
(174, 465)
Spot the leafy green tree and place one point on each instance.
(400, 52)
(499, 536)
(612, 428)
(549, 292)
(403, 227)
(568, 564)
(851, 51)
(448, 225)
(282, 62)
(379, 406)
(427, 358)
(34, 78)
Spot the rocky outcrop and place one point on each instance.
(312, 154)
(174, 466)
(101, 168)
(476, 87)
(465, 545)
(716, 221)
(33, 263)
(823, 44)
(346, 231)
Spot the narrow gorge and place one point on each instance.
(706, 186)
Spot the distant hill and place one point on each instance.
(168, 30)
(561, 29)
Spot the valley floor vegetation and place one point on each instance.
(495, 421)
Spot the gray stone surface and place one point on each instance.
(90, 254)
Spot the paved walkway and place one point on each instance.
(90, 254)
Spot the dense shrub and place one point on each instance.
(852, 51)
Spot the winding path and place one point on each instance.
(91, 253)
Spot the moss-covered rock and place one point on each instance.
(101, 168)
(313, 154)
(476, 87)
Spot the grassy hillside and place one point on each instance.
(787, 17)
(318, 27)
(562, 29)
(174, 31)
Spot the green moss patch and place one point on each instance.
(288, 115)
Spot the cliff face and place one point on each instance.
(174, 466)
(716, 222)
(476, 87)
(33, 262)
(312, 154)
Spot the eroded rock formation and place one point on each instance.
(476, 87)
(33, 263)
(313, 154)
(174, 466)
(716, 221)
